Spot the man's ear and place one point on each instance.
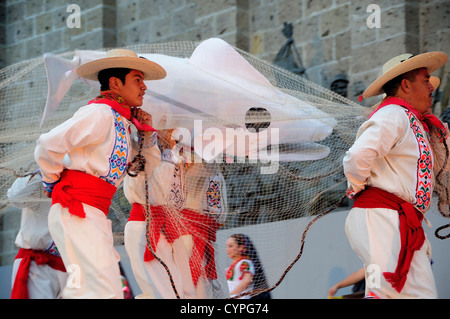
(405, 85)
(114, 83)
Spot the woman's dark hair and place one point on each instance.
(259, 279)
(391, 87)
(106, 74)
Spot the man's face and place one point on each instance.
(134, 88)
(421, 91)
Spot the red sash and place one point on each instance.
(137, 213)
(40, 257)
(412, 235)
(77, 187)
(202, 227)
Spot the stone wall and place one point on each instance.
(331, 36)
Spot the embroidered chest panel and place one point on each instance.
(213, 195)
(177, 195)
(119, 154)
(424, 166)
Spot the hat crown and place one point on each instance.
(117, 53)
(392, 63)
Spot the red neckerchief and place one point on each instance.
(427, 120)
(118, 103)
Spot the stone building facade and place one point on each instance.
(331, 37)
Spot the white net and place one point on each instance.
(255, 146)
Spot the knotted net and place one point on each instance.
(243, 146)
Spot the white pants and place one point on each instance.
(44, 282)
(375, 237)
(86, 246)
(175, 256)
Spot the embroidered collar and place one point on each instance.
(427, 120)
(118, 103)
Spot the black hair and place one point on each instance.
(391, 87)
(259, 280)
(106, 74)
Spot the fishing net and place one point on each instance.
(241, 146)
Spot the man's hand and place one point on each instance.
(144, 118)
(165, 139)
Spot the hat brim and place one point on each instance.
(151, 70)
(435, 82)
(430, 60)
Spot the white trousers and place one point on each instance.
(375, 237)
(44, 282)
(175, 256)
(86, 246)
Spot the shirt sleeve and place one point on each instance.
(375, 138)
(25, 191)
(89, 125)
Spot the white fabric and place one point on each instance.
(33, 233)
(236, 279)
(88, 138)
(44, 282)
(166, 183)
(147, 274)
(161, 180)
(93, 141)
(385, 154)
(205, 187)
(373, 234)
(214, 75)
(87, 248)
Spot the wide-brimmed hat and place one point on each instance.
(122, 58)
(435, 81)
(404, 63)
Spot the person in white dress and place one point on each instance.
(245, 276)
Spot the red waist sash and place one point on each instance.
(202, 227)
(412, 235)
(40, 257)
(77, 187)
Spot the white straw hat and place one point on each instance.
(405, 63)
(122, 58)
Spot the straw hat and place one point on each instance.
(405, 63)
(121, 58)
(435, 81)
